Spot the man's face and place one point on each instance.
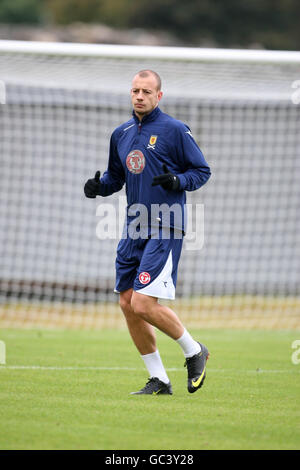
(144, 95)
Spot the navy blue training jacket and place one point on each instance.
(137, 152)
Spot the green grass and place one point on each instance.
(250, 399)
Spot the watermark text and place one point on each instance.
(163, 221)
(2, 92)
(2, 352)
(296, 354)
(296, 94)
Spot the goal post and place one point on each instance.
(60, 103)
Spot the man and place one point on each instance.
(158, 159)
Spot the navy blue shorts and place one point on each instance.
(149, 266)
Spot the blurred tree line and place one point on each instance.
(272, 24)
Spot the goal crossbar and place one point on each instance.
(165, 53)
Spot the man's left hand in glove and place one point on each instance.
(167, 180)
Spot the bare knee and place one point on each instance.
(142, 304)
(125, 301)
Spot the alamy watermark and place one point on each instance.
(296, 354)
(187, 221)
(2, 92)
(2, 353)
(296, 94)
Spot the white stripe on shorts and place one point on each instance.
(162, 287)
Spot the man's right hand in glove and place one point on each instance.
(92, 186)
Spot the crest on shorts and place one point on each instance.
(144, 277)
(152, 142)
(135, 162)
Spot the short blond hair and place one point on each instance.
(146, 73)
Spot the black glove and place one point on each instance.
(92, 186)
(167, 180)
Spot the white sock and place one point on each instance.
(155, 366)
(189, 346)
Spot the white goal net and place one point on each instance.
(59, 106)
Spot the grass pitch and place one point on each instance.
(66, 389)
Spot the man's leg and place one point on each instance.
(163, 318)
(144, 338)
(142, 333)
